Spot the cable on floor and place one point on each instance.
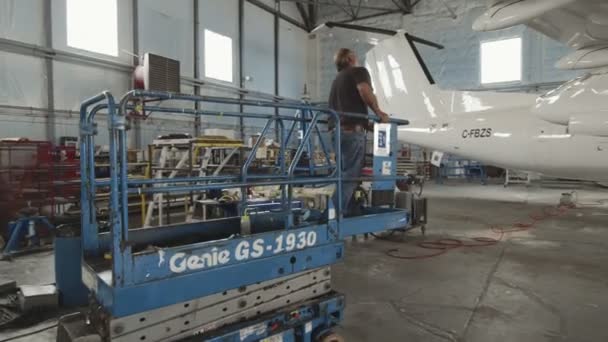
(34, 332)
(442, 246)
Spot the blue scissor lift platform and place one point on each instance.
(263, 275)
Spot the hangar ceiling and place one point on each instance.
(349, 10)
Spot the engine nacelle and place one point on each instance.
(509, 13)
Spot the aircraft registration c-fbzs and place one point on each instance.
(477, 133)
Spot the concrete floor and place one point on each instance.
(546, 284)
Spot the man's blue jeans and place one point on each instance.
(353, 158)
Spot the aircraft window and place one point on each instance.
(384, 81)
(100, 36)
(501, 61)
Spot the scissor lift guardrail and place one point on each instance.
(193, 260)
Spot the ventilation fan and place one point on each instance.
(157, 73)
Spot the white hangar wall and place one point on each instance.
(43, 80)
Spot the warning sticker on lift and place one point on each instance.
(387, 167)
(254, 330)
(382, 138)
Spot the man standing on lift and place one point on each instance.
(352, 92)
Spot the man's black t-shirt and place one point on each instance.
(344, 96)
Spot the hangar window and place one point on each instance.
(501, 61)
(99, 35)
(218, 56)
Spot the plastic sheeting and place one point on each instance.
(166, 28)
(20, 123)
(293, 43)
(22, 20)
(258, 64)
(292, 60)
(66, 125)
(75, 83)
(22, 80)
(258, 49)
(212, 121)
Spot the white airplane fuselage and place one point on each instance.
(563, 133)
(517, 141)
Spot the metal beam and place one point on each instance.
(350, 7)
(313, 8)
(305, 17)
(361, 28)
(273, 11)
(374, 15)
(452, 12)
(336, 4)
(276, 63)
(424, 41)
(197, 73)
(135, 18)
(50, 79)
(241, 25)
(276, 49)
(137, 132)
(400, 5)
(358, 8)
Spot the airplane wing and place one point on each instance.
(580, 24)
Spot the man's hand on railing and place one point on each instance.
(384, 118)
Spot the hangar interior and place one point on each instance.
(172, 171)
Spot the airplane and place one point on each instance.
(562, 134)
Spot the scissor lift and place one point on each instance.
(261, 276)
